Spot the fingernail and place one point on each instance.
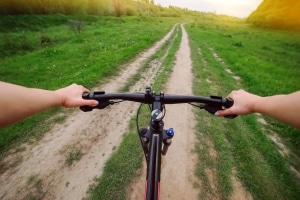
(217, 113)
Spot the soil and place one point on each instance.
(40, 169)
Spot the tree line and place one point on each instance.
(279, 14)
(93, 7)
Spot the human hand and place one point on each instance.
(71, 96)
(244, 103)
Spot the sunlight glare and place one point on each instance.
(238, 8)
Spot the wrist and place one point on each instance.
(256, 102)
(58, 98)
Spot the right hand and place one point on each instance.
(244, 103)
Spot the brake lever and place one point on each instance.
(212, 109)
(101, 105)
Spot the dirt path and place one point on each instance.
(42, 172)
(177, 175)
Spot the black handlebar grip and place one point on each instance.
(86, 108)
(230, 116)
(229, 103)
(101, 104)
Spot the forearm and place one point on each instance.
(285, 108)
(19, 102)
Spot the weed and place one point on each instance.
(73, 154)
(18, 160)
(35, 188)
(238, 44)
(45, 40)
(59, 118)
(76, 26)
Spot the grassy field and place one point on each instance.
(45, 52)
(266, 60)
(266, 63)
(50, 55)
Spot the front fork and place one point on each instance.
(145, 134)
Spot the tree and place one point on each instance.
(117, 4)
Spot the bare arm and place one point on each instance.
(18, 102)
(285, 108)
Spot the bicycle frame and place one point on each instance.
(155, 132)
(155, 140)
(153, 169)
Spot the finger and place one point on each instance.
(82, 88)
(85, 90)
(232, 93)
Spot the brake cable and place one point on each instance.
(137, 124)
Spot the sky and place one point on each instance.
(237, 8)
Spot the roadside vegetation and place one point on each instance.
(280, 14)
(116, 8)
(228, 55)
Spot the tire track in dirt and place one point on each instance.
(239, 191)
(178, 166)
(95, 134)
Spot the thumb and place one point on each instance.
(221, 113)
(93, 103)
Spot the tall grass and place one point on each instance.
(242, 145)
(267, 62)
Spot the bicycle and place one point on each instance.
(155, 140)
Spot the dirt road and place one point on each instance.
(178, 165)
(41, 170)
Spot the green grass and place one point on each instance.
(267, 62)
(241, 144)
(96, 54)
(120, 169)
(168, 63)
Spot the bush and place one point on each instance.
(76, 26)
(238, 44)
(45, 40)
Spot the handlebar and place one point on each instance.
(211, 104)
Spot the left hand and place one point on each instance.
(71, 96)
